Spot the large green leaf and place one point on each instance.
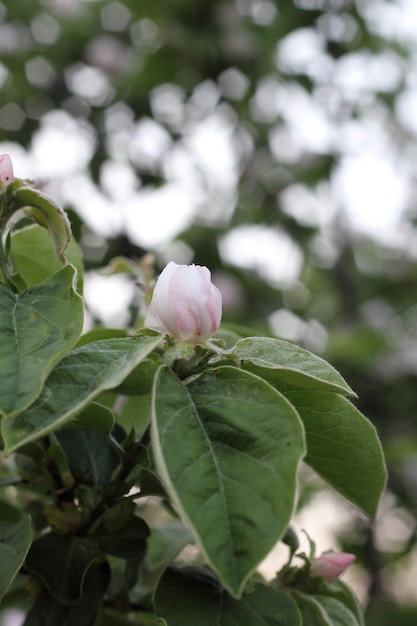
(78, 379)
(45, 211)
(36, 267)
(92, 458)
(192, 595)
(62, 561)
(140, 381)
(37, 327)
(227, 448)
(342, 447)
(127, 542)
(312, 613)
(100, 332)
(338, 613)
(133, 412)
(15, 540)
(165, 542)
(284, 364)
(96, 417)
(321, 610)
(343, 593)
(47, 611)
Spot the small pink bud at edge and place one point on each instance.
(331, 565)
(6, 170)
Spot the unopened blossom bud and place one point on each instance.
(6, 170)
(331, 565)
(185, 304)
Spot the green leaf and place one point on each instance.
(227, 336)
(97, 334)
(140, 381)
(118, 515)
(37, 327)
(48, 214)
(49, 612)
(343, 593)
(342, 447)
(113, 617)
(165, 543)
(338, 613)
(15, 540)
(312, 612)
(192, 595)
(133, 412)
(128, 541)
(92, 458)
(96, 417)
(150, 483)
(321, 610)
(78, 379)
(234, 480)
(34, 258)
(62, 562)
(283, 363)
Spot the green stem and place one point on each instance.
(4, 267)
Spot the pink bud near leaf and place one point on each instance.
(331, 565)
(185, 304)
(6, 170)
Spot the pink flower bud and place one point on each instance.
(6, 170)
(331, 565)
(185, 303)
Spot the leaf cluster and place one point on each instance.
(100, 427)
